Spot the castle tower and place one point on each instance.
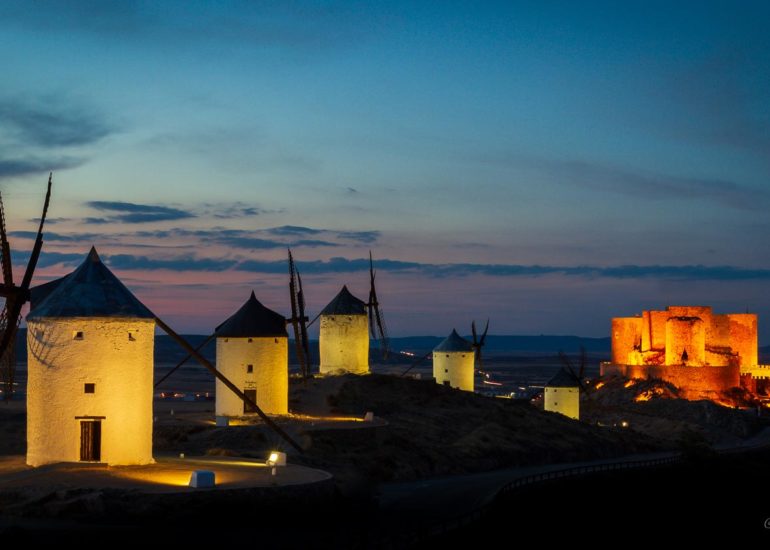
(90, 370)
(685, 341)
(562, 395)
(344, 335)
(453, 362)
(252, 352)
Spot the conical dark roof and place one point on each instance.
(92, 290)
(345, 303)
(454, 342)
(253, 320)
(563, 379)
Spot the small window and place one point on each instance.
(555, 403)
(446, 382)
(78, 335)
(250, 340)
(276, 340)
(447, 355)
(249, 368)
(446, 370)
(131, 337)
(227, 339)
(89, 388)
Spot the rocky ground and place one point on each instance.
(653, 408)
(433, 430)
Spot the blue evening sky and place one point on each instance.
(547, 164)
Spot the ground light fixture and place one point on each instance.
(276, 458)
(202, 479)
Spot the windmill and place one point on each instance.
(298, 318)
(15, 295)
(348, 325)
(377, 326)
(568, 365)
(452, 364)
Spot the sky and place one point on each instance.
(547, 165)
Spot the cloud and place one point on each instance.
(250, 240)
(286, 237)
(183, 263)
(58, 237)
(366, 237)
(648, 185)
(48, 259)
(293, 230)
(12, 168)
(235, 210)
(128, 212)
(346, 265)
(254, 243)
(49, 221)
(51, 122)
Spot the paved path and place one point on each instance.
(435, 500)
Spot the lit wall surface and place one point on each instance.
(116, 356)
(344, 344)
(269, 376)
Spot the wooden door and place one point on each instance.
(90, 440)
(251, 394)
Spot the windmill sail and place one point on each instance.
(15, 296)
(377, 326)
(298, 319)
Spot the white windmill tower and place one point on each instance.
(252, 352)
(90, 370)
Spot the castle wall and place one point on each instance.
(116, 356)
(626, 335)
(694, 382)
(719, 358)
(269, 359)
(344, 344)
(685, 336)
(455, 368)
(743, 339)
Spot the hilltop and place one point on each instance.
(431, 430)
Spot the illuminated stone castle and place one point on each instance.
(689, 346)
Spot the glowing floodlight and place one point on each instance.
(276, 458)
(202, 479)
(369, 417)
